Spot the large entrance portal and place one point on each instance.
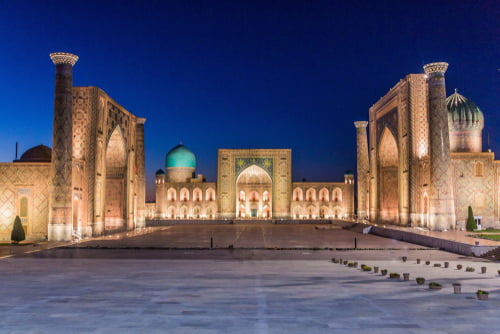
(254, 189)
(389, 190)
(116, 169)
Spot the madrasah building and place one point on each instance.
(424, 163)
(252, 184)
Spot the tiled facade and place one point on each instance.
(415, 178)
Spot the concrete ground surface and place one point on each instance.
(141, 285)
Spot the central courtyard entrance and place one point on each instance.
(254, 189)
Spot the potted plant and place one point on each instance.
(334, 260)
(483, 270)
(470, 269)
(457, 288)
(375, 270)
(404, 258)
(437, 264)
(427, 262)
(418, 261)
(406, 276)
(420, 280)
(498, 271)
(350, 264)
(446, 264)
(355, 264)
(366, 268)
(345, 262)
(435, 286)
(482, 295)
(459, 266)
(394, 275)
(383, 272)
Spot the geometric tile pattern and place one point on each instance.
(441, 210)
(30, 180)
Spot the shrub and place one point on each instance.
(482, 292)
(471, 223)
(469, 269)
(366, 268)
(427, 262)
(17, 234)
(434, 285)
(350, 264)
(394, 275)
(459, 266)
(383, 272)
(437, 264)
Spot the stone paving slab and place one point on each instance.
(64, 295)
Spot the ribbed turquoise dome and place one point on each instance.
(463, 113)
(180, 156)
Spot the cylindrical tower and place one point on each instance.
(441, 201)
(140, 162)
(363, 168)
(61, 209)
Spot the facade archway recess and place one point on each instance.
(254, 186)
(389, 187)
(116, 175)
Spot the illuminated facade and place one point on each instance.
(91, 180)
(426, 164)
(251, 184)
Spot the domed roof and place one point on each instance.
(160, 172)
(180, 156)
(463, 112)
(40, 153)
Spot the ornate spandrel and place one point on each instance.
(243, 163)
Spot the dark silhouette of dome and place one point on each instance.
(40, 153)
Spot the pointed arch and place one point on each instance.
(298, 194)
(197, 195)
(210, 194)
(337, 195)
(324, 195)
(184, 195)
(388, 161)
(115, 190)
(311, 195)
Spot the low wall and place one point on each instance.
(425, 240)
(169, 222)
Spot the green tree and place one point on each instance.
(17, 234)
(471, 223)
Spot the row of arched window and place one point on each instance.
(185, 195)
(311, 195)
(190, 213)
(253, 196)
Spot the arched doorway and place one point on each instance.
(257, 185)
(388, 176)
(116, 171)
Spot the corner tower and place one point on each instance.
(441, 201)
(61, 210)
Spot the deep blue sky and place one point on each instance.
(243, 74)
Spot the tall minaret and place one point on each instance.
(441, 202)
(61, 209)
(363, 168)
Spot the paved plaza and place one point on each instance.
(245, 289)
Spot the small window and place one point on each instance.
(479, 169)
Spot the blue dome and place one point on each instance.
(180, 156)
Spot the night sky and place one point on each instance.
(243, 74)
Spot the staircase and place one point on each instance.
(493, 254)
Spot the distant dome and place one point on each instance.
(160, 172)
(40, 153)
(463, 113)
(180, 156)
